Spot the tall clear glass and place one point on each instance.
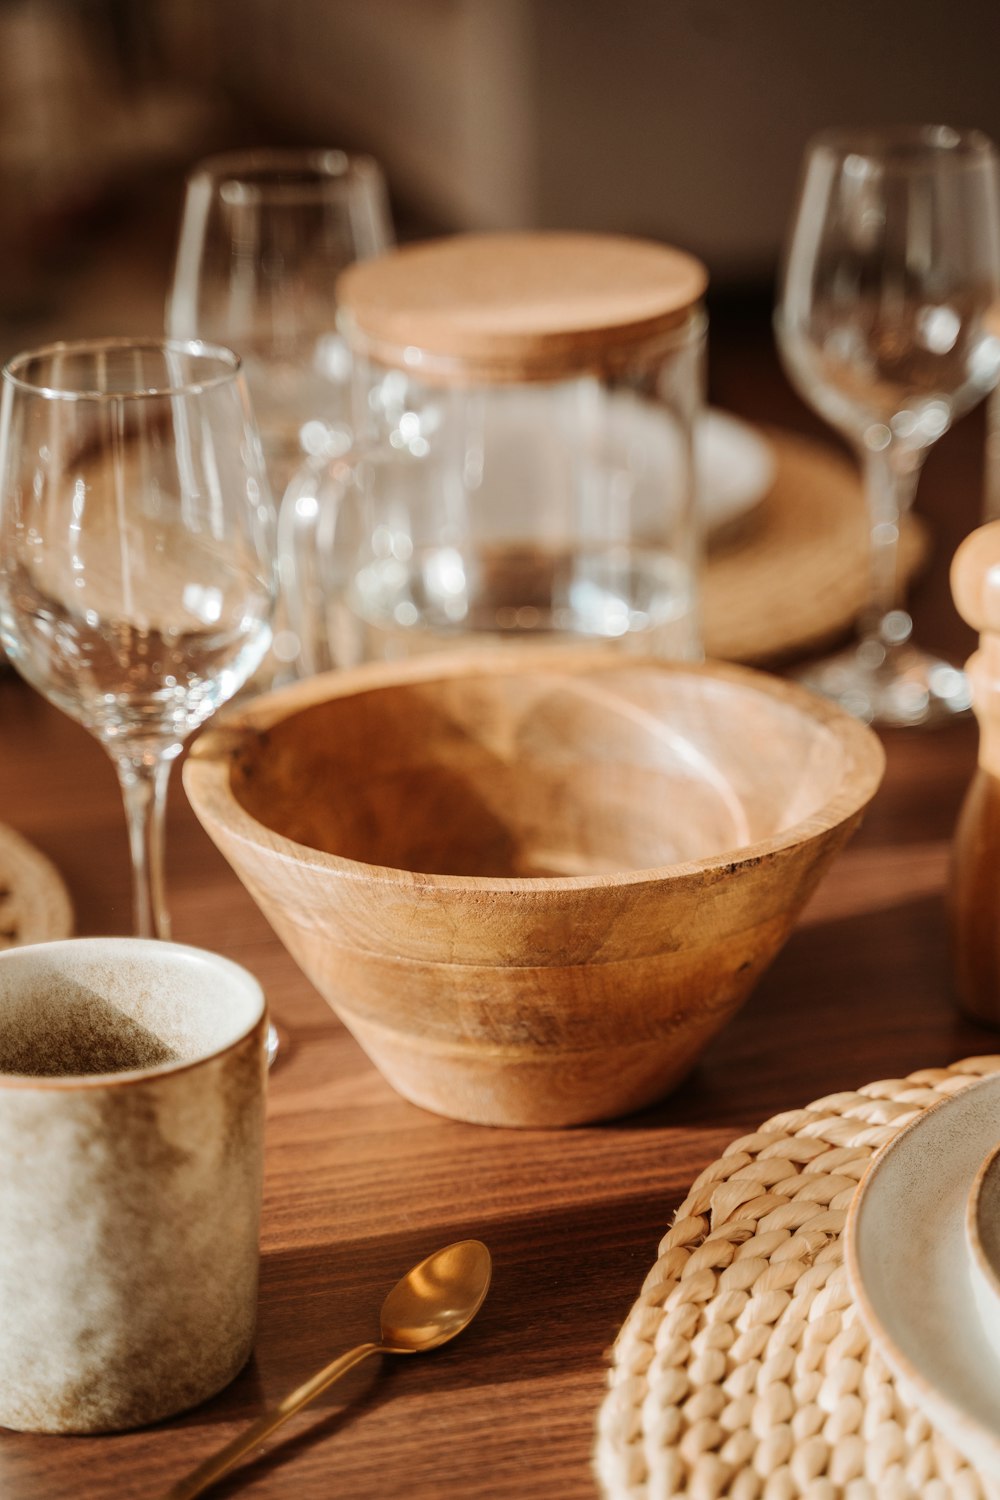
(264, 235)
(890, 274)
(137, 576)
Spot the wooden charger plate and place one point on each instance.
(793, 577)
(34, 903)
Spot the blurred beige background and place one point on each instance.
(680, 119)
(683, 119)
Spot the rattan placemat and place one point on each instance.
(743, 1369)
(34, 903)
(792, 578)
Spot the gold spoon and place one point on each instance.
(433, 1302)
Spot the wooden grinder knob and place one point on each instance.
(975, 579)
(974, 896)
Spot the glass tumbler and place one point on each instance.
(264, 235)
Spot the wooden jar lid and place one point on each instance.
(525, 306)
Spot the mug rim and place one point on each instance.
(131, 1077)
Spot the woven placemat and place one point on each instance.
(743, 1369)
(793, 578)
(34, 904)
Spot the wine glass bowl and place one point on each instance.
(136, 567)
(890, 274)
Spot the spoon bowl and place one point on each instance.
(436, 1299)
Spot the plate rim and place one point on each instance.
(980, 1443)
(988, 1167)
(721, 516)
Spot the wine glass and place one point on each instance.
(892, 266)
(264, 235)
(136, 555)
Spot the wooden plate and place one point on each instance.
(793, 578)
(34, 903)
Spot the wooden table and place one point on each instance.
(361, 1184)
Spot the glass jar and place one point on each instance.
(525, 407)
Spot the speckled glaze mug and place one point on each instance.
(132, 1080)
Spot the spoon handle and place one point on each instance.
(219, 1463)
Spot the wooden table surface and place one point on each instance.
(360, 1184)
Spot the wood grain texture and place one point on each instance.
(534, 884)
(522, 306)
(804, 551)
(359, 1184)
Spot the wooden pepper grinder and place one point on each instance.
(975, 873)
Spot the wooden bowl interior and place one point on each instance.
(540, 774)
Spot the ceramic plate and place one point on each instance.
(982, 1235)
(624, 437)
(908, 1262)
(735, 467)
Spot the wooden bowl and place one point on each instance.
(533, 883)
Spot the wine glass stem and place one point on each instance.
(889, 489)
(143, 777)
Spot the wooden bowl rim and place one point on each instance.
(207, 781)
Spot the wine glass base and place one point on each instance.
(904, 688)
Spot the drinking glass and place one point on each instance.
(891, 269)
(264, 235)
(136, 555)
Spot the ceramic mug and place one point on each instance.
(132, 1078)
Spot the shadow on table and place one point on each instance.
(846, 1002)
(555, 1305)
